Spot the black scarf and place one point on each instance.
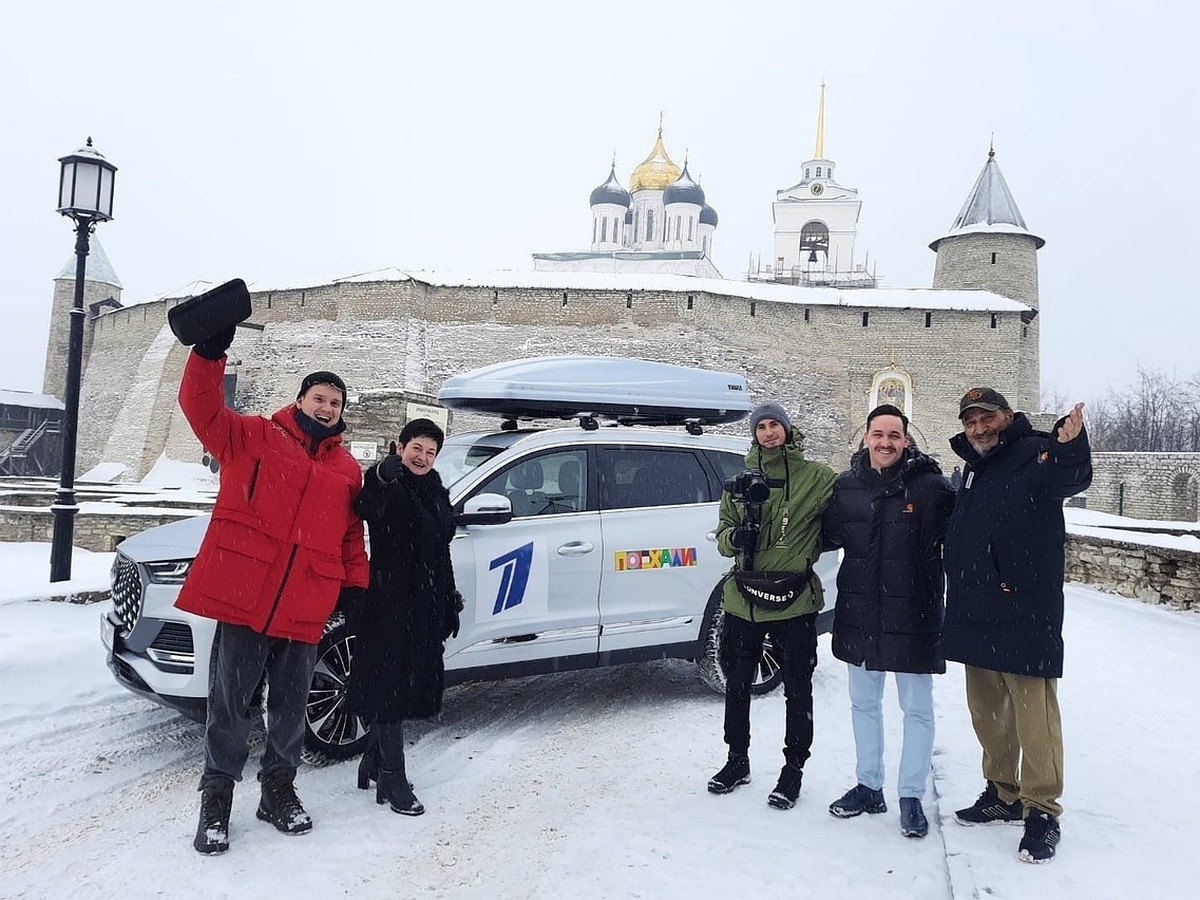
(316, 430)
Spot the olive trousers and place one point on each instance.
(1017, 722)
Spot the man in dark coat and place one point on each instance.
(411, 608)
(1004, 572)
(888, 513)
(282, 544)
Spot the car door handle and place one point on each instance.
(576, 548)
(711, 536)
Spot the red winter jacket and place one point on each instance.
(284, 538)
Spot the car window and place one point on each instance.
(727, 465)
(456, 460)
(634, 476)
(544, 485)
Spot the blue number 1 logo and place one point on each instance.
(514, 578)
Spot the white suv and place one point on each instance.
(575, 548)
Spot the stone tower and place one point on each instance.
(816, 223)
(100, 284)
(988, 248)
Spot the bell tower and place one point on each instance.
(816, 222)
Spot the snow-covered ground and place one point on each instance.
(588, 785)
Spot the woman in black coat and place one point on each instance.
(410, 609)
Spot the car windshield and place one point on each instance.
(456, 460)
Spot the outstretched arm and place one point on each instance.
(1067, 467)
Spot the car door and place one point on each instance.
(661, 564)
(531, 586)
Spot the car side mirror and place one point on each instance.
(486, 509)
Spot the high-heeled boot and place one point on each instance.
(368, 766)
(392, 786)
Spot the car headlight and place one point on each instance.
(172, 571)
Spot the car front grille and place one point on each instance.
(127, 591)
(172, 649)
(174, 637)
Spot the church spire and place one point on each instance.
(819, 152)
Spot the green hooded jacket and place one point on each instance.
(789, 539)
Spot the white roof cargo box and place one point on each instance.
(589, 387)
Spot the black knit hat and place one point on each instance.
(322, 378)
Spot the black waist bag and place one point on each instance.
(771, 591)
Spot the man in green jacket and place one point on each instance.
(781, 534)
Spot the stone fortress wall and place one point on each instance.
(407, 335)
(1147, 485)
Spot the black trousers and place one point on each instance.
(794, 643)
(243, 656)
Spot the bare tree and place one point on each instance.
(1158, 413)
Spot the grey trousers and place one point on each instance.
(243, 656)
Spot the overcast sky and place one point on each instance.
(281, 142)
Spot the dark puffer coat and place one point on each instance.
(1004, 550)
(408, 612)
(890, 526)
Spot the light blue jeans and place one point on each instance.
(866, 715)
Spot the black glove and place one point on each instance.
(351, 603)
(390, 465)
(215, 346)
(453, 608)
(744, 536)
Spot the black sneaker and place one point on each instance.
(735, 771)
(787, 789)
(279, 804)
(212, 832)
(858, 800)
(912, 818)
(989, 809)
(1041, 836)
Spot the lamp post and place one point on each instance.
(85, 193)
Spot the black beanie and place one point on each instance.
(322, 378)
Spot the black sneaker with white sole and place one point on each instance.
(1042, 835)
(735, 771)
(858, 800)
(989, 809)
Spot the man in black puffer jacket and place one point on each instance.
(888, 514)
(1004, 615)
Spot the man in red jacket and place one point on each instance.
(283, 543)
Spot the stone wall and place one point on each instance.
(1152, 574)
(98, 532)
(1146, 485)
(818, 360)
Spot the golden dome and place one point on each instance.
(656, 171)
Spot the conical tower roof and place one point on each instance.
(989, 207)
(97, 268)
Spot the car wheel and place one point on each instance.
(768, 674)
(332, 731)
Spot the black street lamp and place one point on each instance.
(85, 193)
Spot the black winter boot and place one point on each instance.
(368, 767)
(279, 804)
(393, 786)
(787, 789)
(212, 833)
(735, 771)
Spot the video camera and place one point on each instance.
(750, 486)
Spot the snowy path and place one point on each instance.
(591, 785)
